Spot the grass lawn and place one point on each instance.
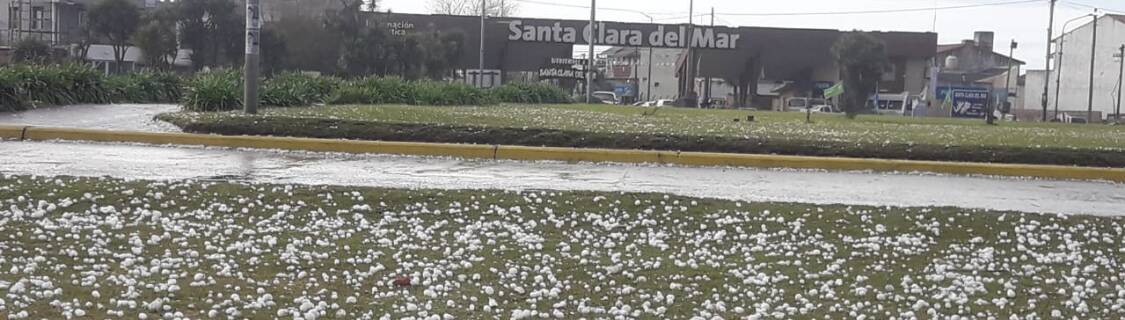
(688, 130)
(100, 248)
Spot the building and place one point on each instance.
(56, 22)
(1071, 77)
(974, 66)
(631, 65)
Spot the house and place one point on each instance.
(974, 66)
(1072, 65)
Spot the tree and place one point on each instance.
(213, 30)
(274, 50)
(862, 59)
(363, 46)
(32, 51)
(494, 8)
(116, 21)
(157, 39)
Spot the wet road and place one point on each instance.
(132, 117)
(856, 188)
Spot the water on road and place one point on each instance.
(819, 187)
(132, 117)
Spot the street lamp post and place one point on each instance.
(1008, 80)
(1120, 76)
(1046, 82)
(590, 62)
(1093, 57)
(253, 52)
(1058, 72)
(480, 63)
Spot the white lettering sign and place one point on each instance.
(703, 37)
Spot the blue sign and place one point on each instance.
(624, 90)
(967, 102)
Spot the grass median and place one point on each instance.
(101, 248)
(618, 127)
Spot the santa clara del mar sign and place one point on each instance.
(674, 36)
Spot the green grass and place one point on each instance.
(869, 129)
(130, 240)
(607, 126)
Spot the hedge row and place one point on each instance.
(221, 90)
(26, 86)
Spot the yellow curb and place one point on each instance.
(567, 154)
(8, 132)
(576, 155)
(284, 143)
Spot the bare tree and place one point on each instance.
(494, 8)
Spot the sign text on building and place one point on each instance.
(662, 36)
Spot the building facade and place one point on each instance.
(1072, 60)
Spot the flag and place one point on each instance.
(834, 91)
(948, 98)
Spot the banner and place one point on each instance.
(967, 102)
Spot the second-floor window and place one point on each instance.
(14, 18)
(37, 18)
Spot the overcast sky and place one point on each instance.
(1024, 22)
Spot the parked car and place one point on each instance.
(800, 104)
(607, 97)
(655, 103)
(824, 108)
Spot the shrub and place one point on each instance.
(32, 85)
(32, 51)
(353, 93)
(297, 89)
(219, 90)
(449, 94)
(145, 87)
(529, 93)
(391, 90)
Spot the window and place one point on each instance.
(37, 17)
(14, 18)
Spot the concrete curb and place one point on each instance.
(563, 154)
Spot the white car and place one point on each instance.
(655, 103)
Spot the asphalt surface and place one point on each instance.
(818, 187)
(132, 117)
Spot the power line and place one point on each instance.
(929, 9)
(1079, 4)
(578, 6)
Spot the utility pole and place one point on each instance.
(1050, 35)
(253, 52)
(1008, 80)
(1093, 57)
(1120, 77)
(707, 80)
(480, 63)
(690, 61)
(590, 61)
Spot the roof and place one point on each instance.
(943, 48)
(970, 77)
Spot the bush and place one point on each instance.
(390, 90)
(297, 89)
(530, 93)
(145, 87)
(219, 90)
(353, 93)
(449, 94)
(27, 86)
(32, 51)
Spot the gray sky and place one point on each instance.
(1024, 22)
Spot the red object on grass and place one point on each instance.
(402, 281)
